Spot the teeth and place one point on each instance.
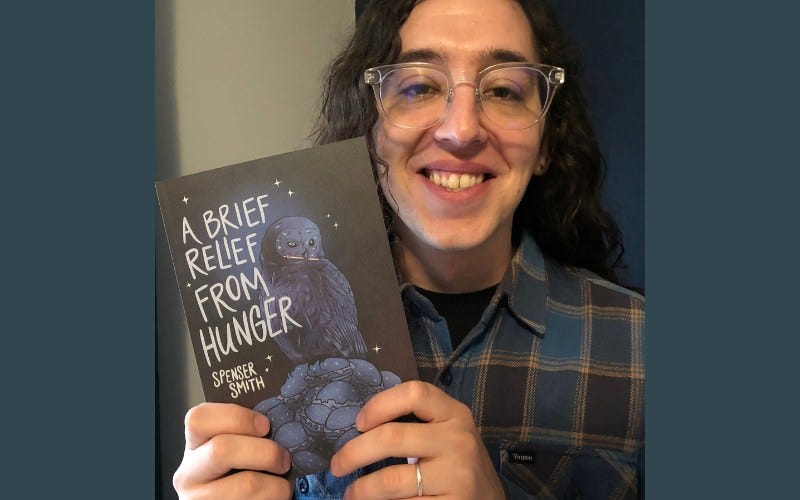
(454, 182)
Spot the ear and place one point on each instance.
(543, 161)
(542, 164)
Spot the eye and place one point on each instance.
(311, 242)
(514, 88)
(291, 244)
(412, 85)
(500, 92)
(418, 92)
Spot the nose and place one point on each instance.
(461, 125)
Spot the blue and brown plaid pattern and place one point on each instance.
(554, 375)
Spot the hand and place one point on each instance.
(453, 461)
(222, 437)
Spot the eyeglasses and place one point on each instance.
(512, 95)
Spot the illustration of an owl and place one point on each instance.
(294, 265)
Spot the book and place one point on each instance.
(289, 291)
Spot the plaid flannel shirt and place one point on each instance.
(554, 375)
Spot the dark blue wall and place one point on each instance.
(609, 36)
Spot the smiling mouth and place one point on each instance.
(454, 181)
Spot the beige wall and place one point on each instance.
(235, 80)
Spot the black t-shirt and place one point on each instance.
(462, 311)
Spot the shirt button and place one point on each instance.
(302, 485)
(446, 378)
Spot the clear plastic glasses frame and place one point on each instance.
(511, 95)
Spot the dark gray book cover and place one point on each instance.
(289, 291)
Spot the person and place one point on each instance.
(530, 355)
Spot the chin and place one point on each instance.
(451, 244)
(449, 239)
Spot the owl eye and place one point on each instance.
(311, 242)
(291, 244)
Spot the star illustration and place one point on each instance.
(188, 285)
(185, 200)
(328, 216)
(269, 357)
(291, 193)
(336, 225)
(277, 183)
(376, 348)
(266, 369)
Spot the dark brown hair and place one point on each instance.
(562, 209)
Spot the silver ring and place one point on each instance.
(419, 481)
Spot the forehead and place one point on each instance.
(468, 33)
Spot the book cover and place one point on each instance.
(289, 291)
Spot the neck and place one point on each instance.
(453, 271)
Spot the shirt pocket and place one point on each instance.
(553, 471)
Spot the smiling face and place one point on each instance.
(455, 186)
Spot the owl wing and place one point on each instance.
(337, 316)
(284, 281)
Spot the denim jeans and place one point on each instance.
(329, 487)
(323, 485)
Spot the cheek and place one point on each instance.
(523, 185)
(382, 164)
(395, 145)
(522, 152)
(384, 145)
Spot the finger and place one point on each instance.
(224, 452)
(392, 439)
(245, 484)
(399, 481)
(209, 419)
(424, 400)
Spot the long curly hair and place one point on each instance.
(562, 209)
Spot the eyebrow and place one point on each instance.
(492, 56)
(505, 55)
(419, 55)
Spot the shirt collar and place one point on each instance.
(418, 302)
(525, 285)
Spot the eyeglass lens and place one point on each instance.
(418, 97)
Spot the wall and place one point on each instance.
(235, 81)
(609, 36)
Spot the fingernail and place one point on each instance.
(360, 422)
(287, 460)
(262, 424)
